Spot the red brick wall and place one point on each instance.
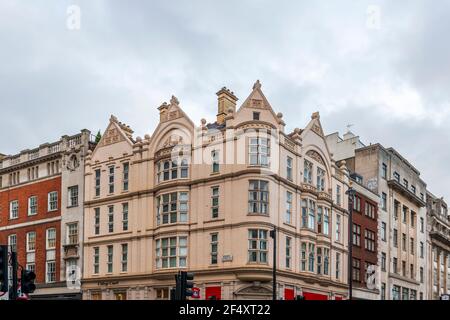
(365, 222)
(41, 190)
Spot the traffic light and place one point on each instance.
(27, 281)
(3, 268)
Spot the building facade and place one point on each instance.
(401, 214)
(205, 199)
(365, 241)
(438, 243)
(41, 213)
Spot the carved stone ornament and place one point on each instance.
(316, 156)
(73, 162)
(112, 136)
(317, 129)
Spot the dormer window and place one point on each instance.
(255, 115)
(172, 169)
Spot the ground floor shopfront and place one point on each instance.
(229, 286)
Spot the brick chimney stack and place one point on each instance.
(226, 100)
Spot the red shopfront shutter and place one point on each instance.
(314, 296)
(288, 294)
(337, 298)
(213, 292)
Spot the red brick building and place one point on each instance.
(41, 213)
(365, 240)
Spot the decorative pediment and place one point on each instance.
(316, 156)
(112, 135)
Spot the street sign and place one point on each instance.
(196, 293)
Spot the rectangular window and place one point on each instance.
(403, 242)
(421, 225)
(97, 221)
(124, 257)
(124, 216)
(356, 270)
(215, 161)
(303, 256)
(370, 210)
(384, 201)
(31, 241)
(214, 247)
(288, 252)
(259, 151)
(258, 197)
(51, 238)
(288, 214)
(405, 183)
(412, 219)
(215, 202)
(411, 271)
(383, 291)
(171, 252)
(256, 115)
(395, 293)
(397, 177)
(369, 240)
(51, 272)
(357, 204)
(97, 182)
(12, 242)
(14, 209)
(111, 179)
(413, 189)
(73, 196)
(72, 233)
(384, 171)
(421, 250)
(110, 219)
(53, 201)
(394, 265)
(395, 238)
(338, 228)
(96, 260)
(170, 170)
(405, 294)
(405, 213)
(411, 245)
(307, 172)
(126, 173)
(338, 265)
(383, 231)
(311, 215)
(32, 205)
(319, 260)
(109, 260)
(257, 245)
(356, 235)
(320, 179)
(289, 162)
(404, 268)
(172, 208)
(338, 195)
(311, 256)
(396, 209)
(421, 274)
(383, 261)
(326, 221)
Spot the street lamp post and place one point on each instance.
(351, 194)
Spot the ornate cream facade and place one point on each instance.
(204, 198)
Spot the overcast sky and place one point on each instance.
(382, 66)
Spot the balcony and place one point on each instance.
(406, 193)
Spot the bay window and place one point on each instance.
(171, 252)
(259, 151)
(172, 169)
(257, 245)
(172, 208)
(258, 197)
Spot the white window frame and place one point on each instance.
(28, 241)
(31, 205)
(14, 209)
(126, 176)
(12, 244)
(73, 194)
(259, 151)
(258, 245)
(47, 239)
(72, 237)
(52, 201)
